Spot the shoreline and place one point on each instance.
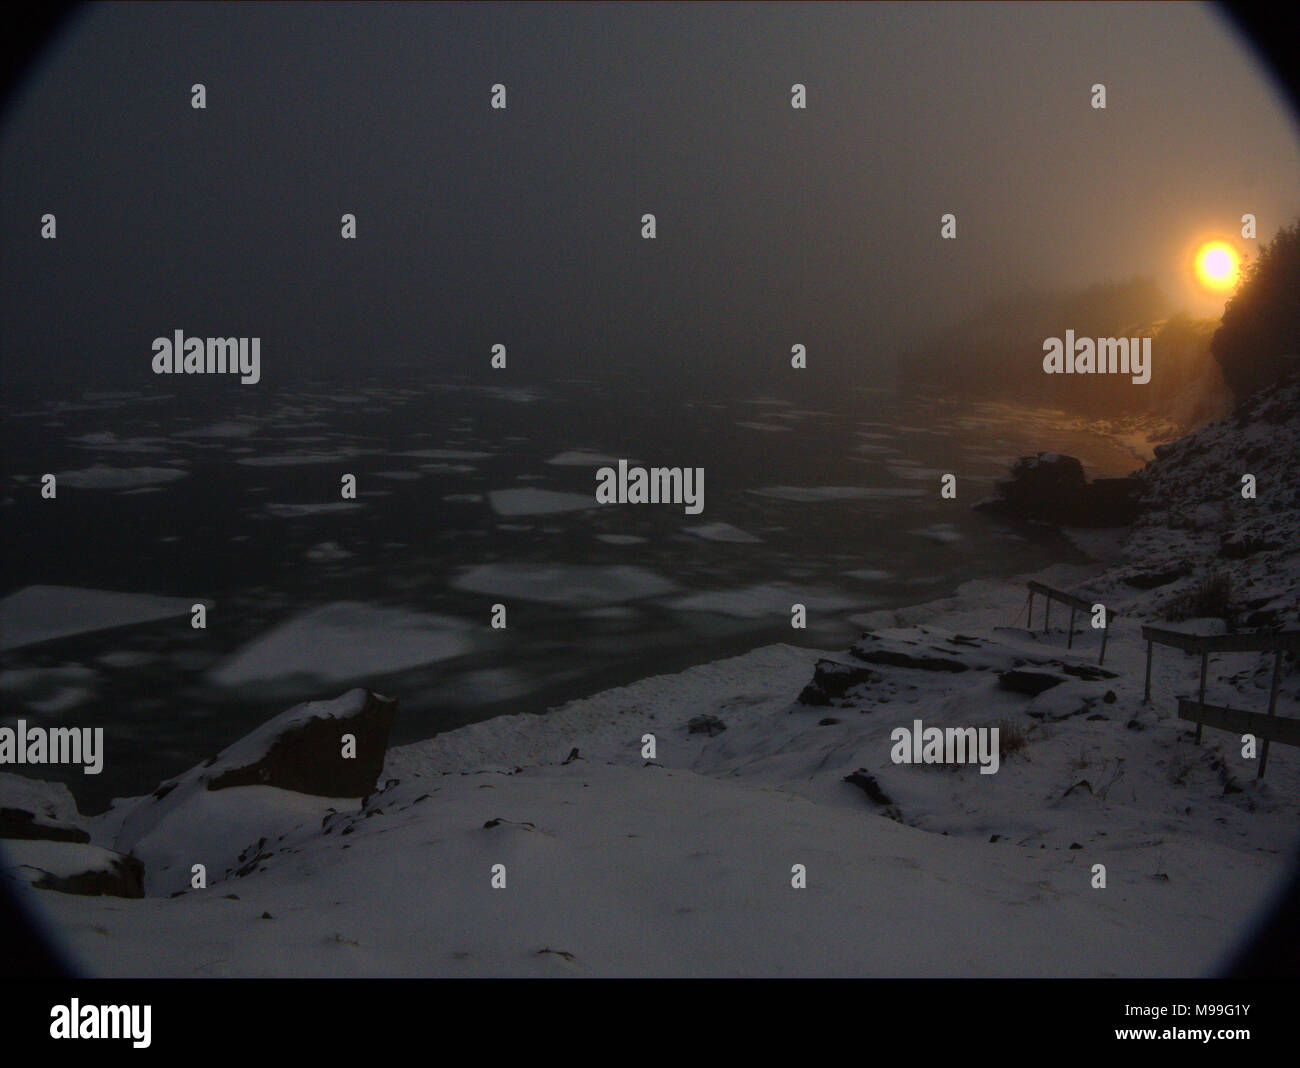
(694, 813)
(1102, 546)
(769, 788)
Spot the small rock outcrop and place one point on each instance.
(898, 658)
(831, 680)
(706, 724)
(282, 776)
(1030, 683)
(75, 868)
(866, 782)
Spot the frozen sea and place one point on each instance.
(467, 496)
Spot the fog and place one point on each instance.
(522, 226)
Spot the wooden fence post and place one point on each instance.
(1272, 707)
(1146, 696)
(1205, 663)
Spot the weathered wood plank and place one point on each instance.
(1050, 594)
(1081, 603)
(1179, 639)
(1280, 729)
(1261, 642)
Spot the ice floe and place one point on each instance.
(103, 477)
(529, 501)
(721, 532)
(40, 613)
(344, 641)
(835, 493)
(294, 459)
(569, 584)
(755, 602)
(582, 458)
(290, 511)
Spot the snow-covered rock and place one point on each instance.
(34, 809)
(618, 865)
(1051, 488)
(1196, 520)
(295, 768)
(73, 868)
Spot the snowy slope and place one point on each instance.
(682, 865)
(685, 867)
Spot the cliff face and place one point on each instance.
(1223, 504)
(1186, 387)
(1000, 353)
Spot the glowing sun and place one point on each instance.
(1217, 264)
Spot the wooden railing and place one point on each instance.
(1267, 726)
(1076, 604)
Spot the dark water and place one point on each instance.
(220, 534)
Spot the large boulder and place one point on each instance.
(1051, 488)
(289, 773)
(302, 750)
(36, 810)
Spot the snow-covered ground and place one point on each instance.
(682, 866)
(608, 860)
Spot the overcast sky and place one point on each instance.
(477, 226)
